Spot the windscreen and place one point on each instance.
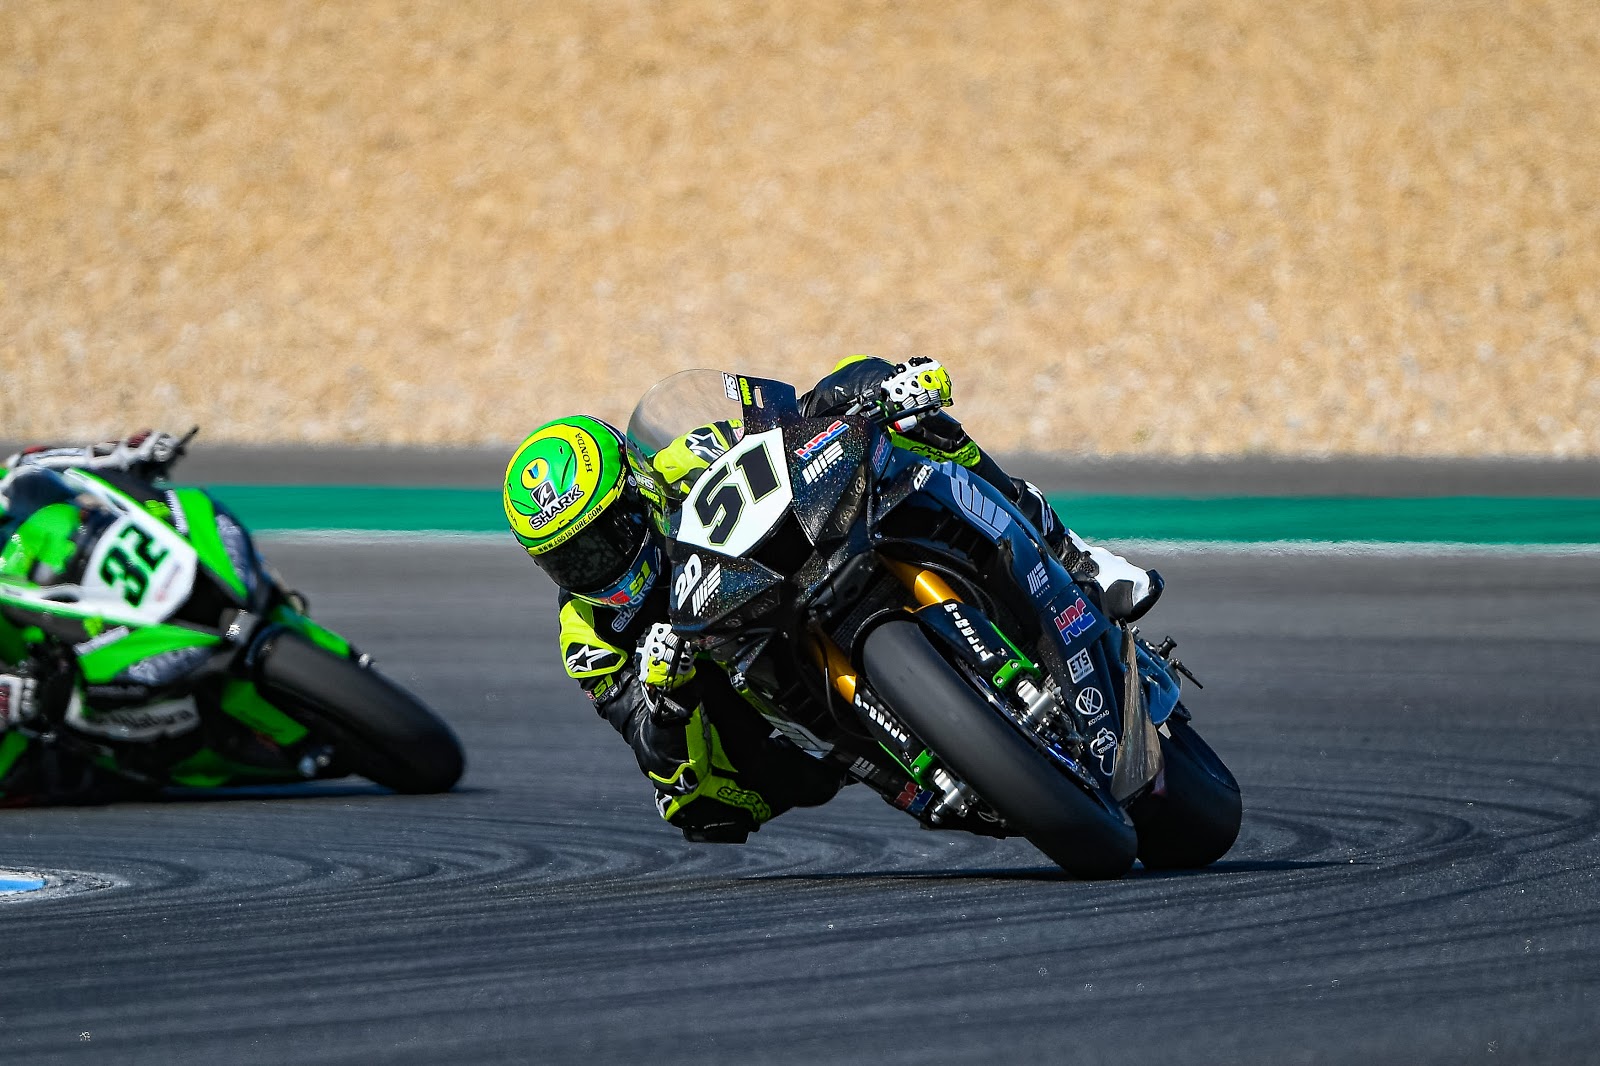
(683, 402)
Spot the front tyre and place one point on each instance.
(1080, 834)
(1194, 819)
(380, 731)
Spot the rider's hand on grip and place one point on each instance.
(31, 689)
(150, 448)
(917, 388)
(665, 660)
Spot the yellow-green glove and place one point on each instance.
(917, 388)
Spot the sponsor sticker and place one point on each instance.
(1079, 666)
(1104, 747)
(687, 578)
(966, 629)
(586, 658)
(980, 509)
(709, 585)
(109, 636)
(1091, 704)
(821, 464)
(1076, 619)
(810, 447)
(1038, 579)
(730, 385)
(704, 443)
(695, 584)
(625, 617)
(883, 721)
(165, 719)
(880, 452)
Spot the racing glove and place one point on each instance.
(915, 389)
(31, 689)
(666, 664)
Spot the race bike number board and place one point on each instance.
(740, 498)
(142, 568)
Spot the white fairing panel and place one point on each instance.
(143, 568)
(740, 498)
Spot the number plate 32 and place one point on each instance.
(740, 498)
(142, 571)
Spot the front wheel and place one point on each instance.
(1193, 818)
(1082, 835)
(379, 730)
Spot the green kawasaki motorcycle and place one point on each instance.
(194, 666)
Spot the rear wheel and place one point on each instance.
(1194, 819)
(1080, 833)
(379, 730)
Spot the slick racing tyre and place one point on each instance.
(1078, 832)
(379, 730)
(1194, 818)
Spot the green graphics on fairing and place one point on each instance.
(138, 572)
(560, 479)
(181, 635)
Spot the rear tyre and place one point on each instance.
(1078, 832)
(379, 730)
(1195, 819)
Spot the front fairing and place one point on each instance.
(788, 488)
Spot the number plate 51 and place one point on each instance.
(740, 498)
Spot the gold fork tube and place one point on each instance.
(928, 587)
(832, 659)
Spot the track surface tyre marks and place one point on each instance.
(1414, 880)
(380, 731)
(1062, 820)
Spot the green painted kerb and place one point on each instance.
(364, 507)
(1253, 519)
(1237, 519)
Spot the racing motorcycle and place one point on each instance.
(192, 664)
(900, 616)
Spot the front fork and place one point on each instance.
(949, 796)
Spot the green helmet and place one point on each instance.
(572, 498)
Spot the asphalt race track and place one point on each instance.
(1416, 879)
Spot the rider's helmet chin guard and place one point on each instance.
(572, 497)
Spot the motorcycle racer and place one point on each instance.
(584, 505)
(587, 507)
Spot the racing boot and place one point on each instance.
(720, 784)
(719, 771)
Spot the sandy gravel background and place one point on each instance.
(1182, 227)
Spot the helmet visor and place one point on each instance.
(603, 551)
